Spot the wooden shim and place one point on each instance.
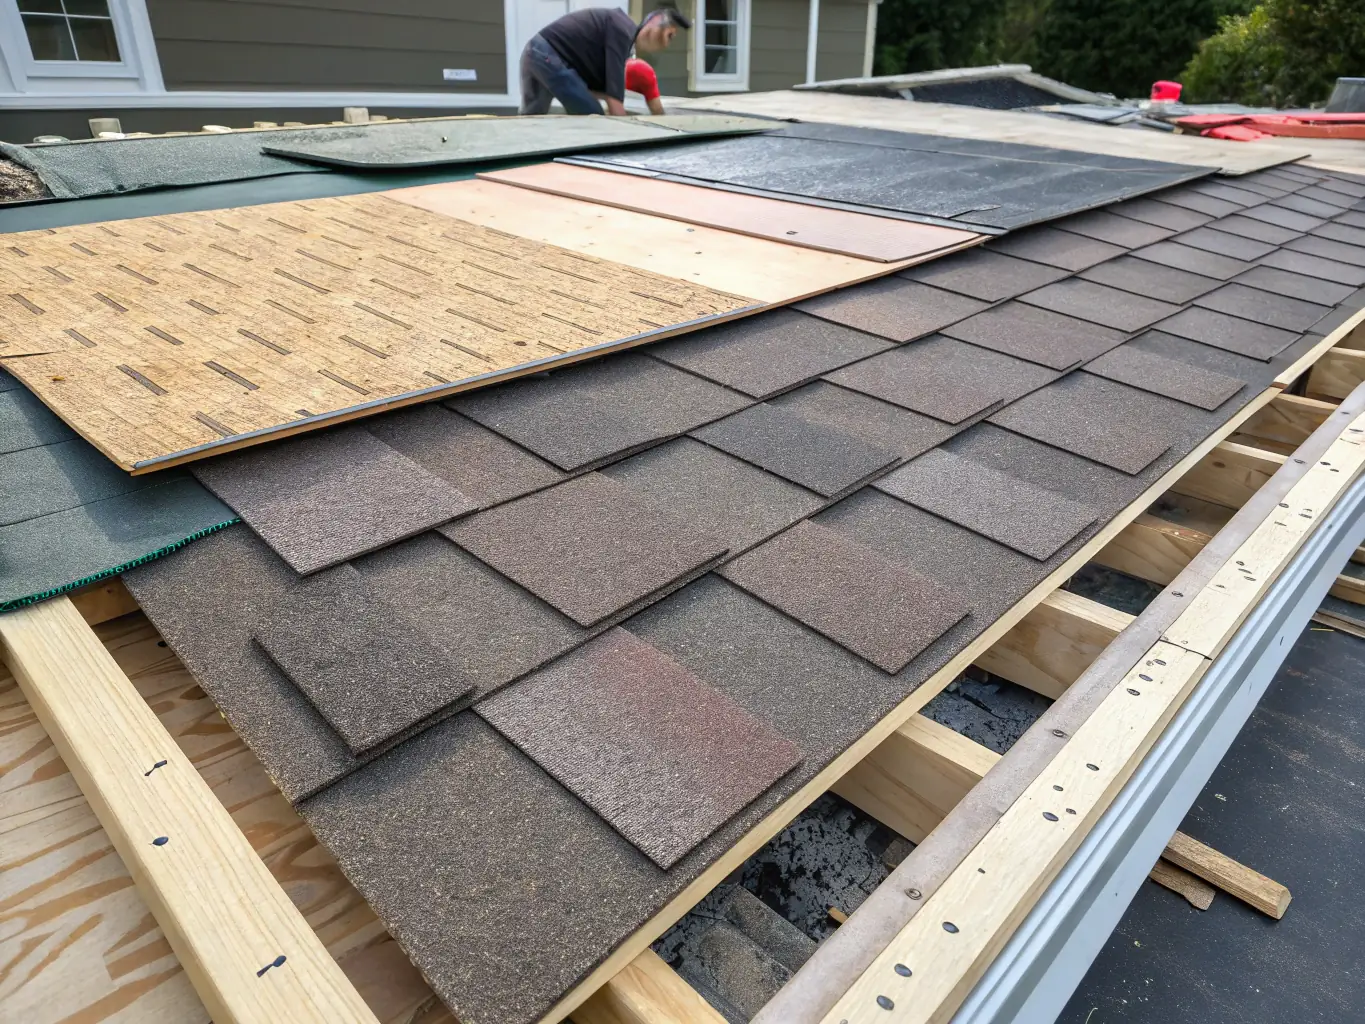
(768, 271)
(647, 991)
(824, 780)
(962, 926)
(1289, 419)
(1197, 892)
(1152, 549)
(864, 235)
(1230, 474)
(1251, 887)
(184, 335)
(916, 776)
(1055, 642)
(1337, 373)
(249, 953)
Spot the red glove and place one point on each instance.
(640, 78)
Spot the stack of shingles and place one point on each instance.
(869, 493)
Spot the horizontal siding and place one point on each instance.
(843, 35)
(777, 44)
(327, 45)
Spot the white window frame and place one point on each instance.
(133, 72)
(699, 80)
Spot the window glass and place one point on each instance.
(720, 25)
(69, 30)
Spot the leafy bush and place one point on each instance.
(925, 35)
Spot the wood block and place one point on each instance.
(647, 991)
(1251, 887)
(1055, 642)
(1152, 549)
(1196, 891)
(1230, 474)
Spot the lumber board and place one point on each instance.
(768, 271)
(1289, 419)
(1251, 887)
(823, 781)
(1152, 549)
(1349, 588)
(1219, 608)
(949, 944)
(864, 235)
(1337, 373)
(1197, 892)
(647, 991)
(1055, 642)
(177, 336)
(80, 941)
(102, 601)
(916, 776)
(1349, 334)
(1230, 474)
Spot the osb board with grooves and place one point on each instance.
(167, 334)
(815, 227)
(769, 271)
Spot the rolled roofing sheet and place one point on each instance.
(994, 184)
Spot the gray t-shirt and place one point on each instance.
(595, 42)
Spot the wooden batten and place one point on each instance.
(1289, 419)
(1251, 887)
(916, 776)
(1152, 549)
(647, 991)
(1337, 373)
(1230, 474)
(251, 956)
(1054, 643)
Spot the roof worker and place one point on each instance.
(640, 78)
(584, 53)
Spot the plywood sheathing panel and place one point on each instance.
(767, 271)
(663, 757)
(192, 330)
(863, 235)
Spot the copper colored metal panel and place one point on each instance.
(886, 239)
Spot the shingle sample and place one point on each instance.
(871, 605)
(25, 422)
(370, 672)
(1259, 230)
(982, 274)
(1291, 219)
(1316, 266)
(1295, 286)
(1230, 193)
(879, 423)
(1303, 204)
(591, 546)
(1264, 307)
(772, 352)
(824, 459)
(1160, 375)
(1192, 200)
(892, 308)
(483, 465)
(1104, 226)
(664, 758)
(1329, 250)
(1097, 303)
(1163, 215)
(1143, 277)
(949, 380)
(1331, 197)
(1351, 234)
(1260, 341)
(1196, 261)
(1211, 240)
(327, 497)
(1098, 419)
(1037, 335)
(55, 477)
(692, 482)
(1055, 248)
(585, 415)
(1021, 515)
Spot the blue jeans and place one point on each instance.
(545, 76)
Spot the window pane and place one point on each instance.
(48, 38)
(721, 60)
(721, 10)
(41, 6)
(94, 38)
(721, 35)
(98, 8)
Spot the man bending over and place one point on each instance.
(583, 55)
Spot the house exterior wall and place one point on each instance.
(320, 45)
